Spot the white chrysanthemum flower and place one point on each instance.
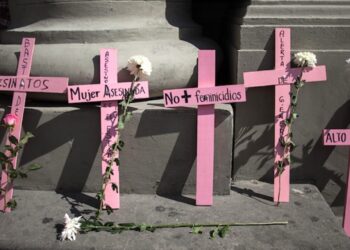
(347, 61)
(140, 66)
(305, 59)
(71, 228)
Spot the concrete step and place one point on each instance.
(80, 62)
(311, 223)
(159, 155)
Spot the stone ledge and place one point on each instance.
(159, 156)
(312, 225)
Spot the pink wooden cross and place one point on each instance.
(20, 85)
(282, 76)
(341, 137)
(205, 96)
(107, 92)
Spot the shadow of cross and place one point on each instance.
(341, 137)
(282, 76)
(20, 85)
(108, 92)
(205, 96)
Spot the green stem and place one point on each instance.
(107, 174)
(286, 150)
(187, 225)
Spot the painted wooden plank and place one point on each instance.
(105, 92)
(204, 96)
(205, 131)
(283, 76)
(336, 137)
(341, 137)
(109, 123)
(33, 84)
(21, 84)
(282, 108)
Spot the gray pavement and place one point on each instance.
(312, 225)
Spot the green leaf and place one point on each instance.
(109, 224)
(22, 174)
(13, 140)
(128, 116)
(115, 187)
(280, 167)
(120, 145)
(25, 138)
(143, 227)
(287, 121)
(11, 150)
(13, 174)
(294, 100)
(109, 209)
(120, 124)
(12, 204)
(127, 225)
(123, 103)
(3, 156)
(34, 166)
(197, 230)
(213, 233)
(116, 160)
(291, 145)
(150, 229)
(223, 231)
(99, 195)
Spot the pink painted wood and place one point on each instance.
(105, 92)
(205, 96)
(341, 137)
(282, 97)
(33, 84)
(109, 123)
(21, 84)
(283, 75)
(108, 92)
(205, 132)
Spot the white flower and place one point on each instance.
(71, 228)
(347, 61)
(140, 66)
(305, 59)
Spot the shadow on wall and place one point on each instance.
(181, 162)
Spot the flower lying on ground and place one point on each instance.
(71, 228)
(10, 120)
(140, 66)
(305, 59)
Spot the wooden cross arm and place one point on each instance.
(204, 96)
(105, 92)
(283, 76)
(33, 84)
(336, 137)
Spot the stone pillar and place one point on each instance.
(321, 27)
(70, 33)
(160, 152)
